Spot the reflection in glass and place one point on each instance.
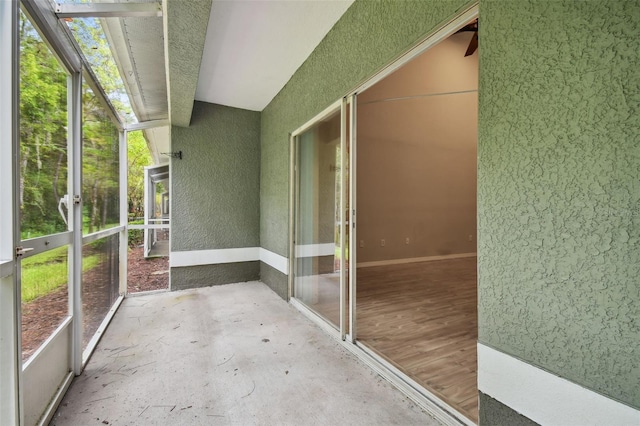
(100, 166)
(100, 282)
(43, 136)
(317, 245)
(45, 297)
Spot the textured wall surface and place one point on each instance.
(276, 280)
(492, 412)
(559, 188)
(215, 193)
(368, 36)
(186, 31)
(208, 275)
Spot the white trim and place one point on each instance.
(330, 110)
(415, 259)
(432, 39)
(274, 260)
(544, 397)
(179, 259)
(315, 250)
(57, 399)
(62, 328)
(91, 346)
(102, 234)
(164, 226)
(143, 125)
(6, 268)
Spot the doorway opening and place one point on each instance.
(416, 196)
(383, 221)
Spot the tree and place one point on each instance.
(43, 135)
(139, 157)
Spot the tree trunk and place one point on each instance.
(93, 222)
(23, 173)
(56, 194)
(105, 203)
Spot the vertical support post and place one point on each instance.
(124, 217)
(292, 200)
(10, 356)
(344, 217)
(74, 117)
(146, 210)
(353, 237)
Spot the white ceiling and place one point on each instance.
(252, 48)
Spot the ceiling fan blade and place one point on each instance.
(473, 45)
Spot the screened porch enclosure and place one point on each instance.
(156, 211)
(64, 169)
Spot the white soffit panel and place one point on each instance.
(252, 48)
(158, 142)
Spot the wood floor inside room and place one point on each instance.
(422, 317)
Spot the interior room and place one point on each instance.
(416, 201)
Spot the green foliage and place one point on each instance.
(100, 165)
(43, 152)
(47, 272)
(43, 135)
(139, 157)
(136, 236)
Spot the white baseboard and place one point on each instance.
(274, 260)
(180, 259)
(315, 250)
(415, 260)
(544, 397)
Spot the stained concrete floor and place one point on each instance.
(234, 354)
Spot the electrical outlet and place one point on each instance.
(406, 241)
(382, 242)
(470, 237)
(361, 243)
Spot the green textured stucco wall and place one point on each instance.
(367, 37)
(559, 188)
(215, 193)
(277, 281)
(207, 275)
(494, 413)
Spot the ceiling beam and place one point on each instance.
(108, 10)
(143, 125)
(186, 29)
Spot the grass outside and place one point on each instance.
(48, 271)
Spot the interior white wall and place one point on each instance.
(417, 152)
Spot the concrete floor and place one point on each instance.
(233, 354)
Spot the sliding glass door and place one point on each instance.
(319, 252)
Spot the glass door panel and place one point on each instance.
(317, 247)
